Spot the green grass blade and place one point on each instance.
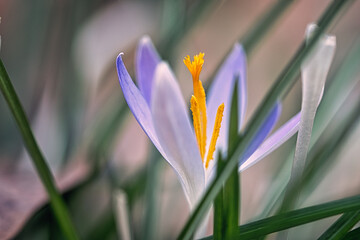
(56, 201)
(231, 205)
(232, 185)
(295, 218)
(278, 91)
(339, 229)
(102, 139)
(324, 157)
(256, 33)
(151, 195)
(219, 228)
(353, 235)
(334, 97)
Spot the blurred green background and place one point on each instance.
(60, 56)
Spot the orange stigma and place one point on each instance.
(198, 109)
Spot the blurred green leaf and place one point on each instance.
(334, 97)
(151, 196)
(353, 235)
(296, 217)
(257, 32)
(57, 203)
(339, 229)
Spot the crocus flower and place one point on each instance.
(159, 107)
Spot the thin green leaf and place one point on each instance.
(296, 217)
(256, 33)
(56, 201)
(353, 235)
(219, 228)
(314, 72)
(231, 205)
(339, 229)
(334, 97)
(120, 203)
(325, 156)
(152, 192)
(232, 186)
(278, 91)
(181, 24)
(104, 134)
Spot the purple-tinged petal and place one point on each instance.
(137, 103)
(221, 91)
(263, 132)
(275, 140)
(147, 59)
(242, 87)
(173, 129)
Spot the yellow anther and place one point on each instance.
(198, 108)
(202, 106)
(197, 125)
(199, 92)
(215, 135)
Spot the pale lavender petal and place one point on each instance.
(242, 88)
(314, 71)
(221, 91)
(275, 140)
(265, 129)
(173, 129)
(146, 60)
(137, 103)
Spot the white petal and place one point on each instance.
(174, 132)
(273, 142)
(314, 71)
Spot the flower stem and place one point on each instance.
(57, 203)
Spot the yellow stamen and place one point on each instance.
(202, 106)
(215, 135)
(198, 108)
(197, 126)
(195, 68)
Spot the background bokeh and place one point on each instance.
(60, 56)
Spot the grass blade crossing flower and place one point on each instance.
(160, 109)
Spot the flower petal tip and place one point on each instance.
(162, 69)
(145, 40)
(330, 40)
(239, 47)
(310, 28)
(119, 58)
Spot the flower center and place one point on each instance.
(198, 109)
